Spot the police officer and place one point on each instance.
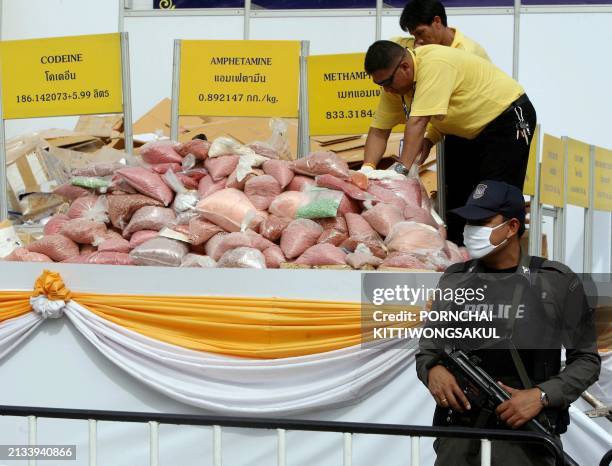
(548, 310)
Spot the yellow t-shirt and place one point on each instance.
(460, 91)
(390, 111)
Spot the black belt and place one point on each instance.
(523, 99)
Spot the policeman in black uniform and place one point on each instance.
(536, 306)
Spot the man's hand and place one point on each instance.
(445, 390)
(425, 150)
(521, 408)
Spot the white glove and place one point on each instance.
(373, 174)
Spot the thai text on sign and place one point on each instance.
(342, 98)
(603, 179)
(552, 174)
(61, 76)
(239, 78)
(578, 170)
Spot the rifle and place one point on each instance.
(482, 391)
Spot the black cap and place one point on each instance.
(490, 198)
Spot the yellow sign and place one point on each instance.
(239, 78)
(529, 188)
(603, 179)
(61, 76)
(552, 173)
(342, 98)
(578, 168)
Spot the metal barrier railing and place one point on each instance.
(281, 426)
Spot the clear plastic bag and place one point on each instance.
(320, 203)
(90, 182)
(90, 208)
(163, 252)
(185, 200)
(197, 260)
(224, 145)
(243, 258)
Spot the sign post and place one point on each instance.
(577, 187)
(531, 188)
(235, 78)
(552, 190)
(63, 76)
(603, 183)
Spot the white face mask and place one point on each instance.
(477, 240)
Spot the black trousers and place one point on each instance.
(495, 154)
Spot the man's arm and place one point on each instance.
(375, 146)
(413, 139)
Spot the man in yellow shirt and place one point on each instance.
(426, 21)
(455, 93)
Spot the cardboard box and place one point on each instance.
(157, 120)
(100, 126)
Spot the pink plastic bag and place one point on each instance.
(386, 196)
(213, 244)
(23, 255)
(261, 148)
(322, 254)
(149, 218)
(287, 204)
(322, 163)
(272, 227)
(335, 230)
(57, 247)
(243, 258)
(122, 207)
(454, 253)
(90, 208)
(227, 208)
(142, 236)
(98, 169)
(201, 231)
(160, 152)
(409, 189)
(148, 183)
(208, 186)
(382, 217)
(299, 235)
(197, 147)
(161, 168)
(221, 167)
(419, 215)
(115, 244)
(262, 190)
(280, 170)
(360, 231)
(55, 224)
(348, 205)
(109, 258)
(274, 257)
(71, 192)
(415, 238)
(406, 260)
(333, 182)
(300, 182)
(83, 231)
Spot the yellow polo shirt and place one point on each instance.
(390, 111)
(460, 91)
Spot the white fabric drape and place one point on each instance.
(14, 331)
(232, 385)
